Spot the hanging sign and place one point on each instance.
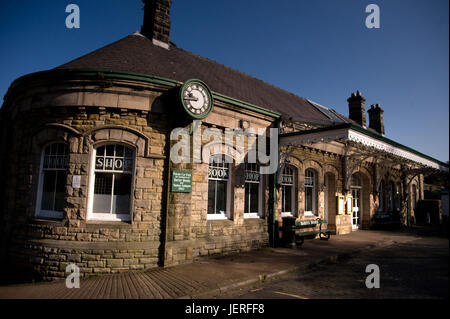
(181, 182)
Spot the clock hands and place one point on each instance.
(191, 97)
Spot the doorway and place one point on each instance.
(356, 189)
(357, 208)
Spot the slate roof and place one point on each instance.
(136, 53)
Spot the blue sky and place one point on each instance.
(320, 50)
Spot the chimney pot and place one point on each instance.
(356, 108)
(156, 25)
(376, 118)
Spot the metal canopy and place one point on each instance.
(365, 145)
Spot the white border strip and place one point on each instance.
(361, 138)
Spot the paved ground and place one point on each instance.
(417, 269)
(216, 276)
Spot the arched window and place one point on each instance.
(356, 181)
(310, 193)
(219, 173)
(52, 181)
(252, 203)
(287, 192)
(112, 182)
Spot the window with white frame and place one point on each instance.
(112, 183)
(287, 192)
(52, 181)
(252, 205)
(218, 187)
(310, 192)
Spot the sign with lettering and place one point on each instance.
(181, 182)
(287, 179)
(113, 164)
(251, 176)
(220, 173)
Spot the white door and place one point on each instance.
(356, 215)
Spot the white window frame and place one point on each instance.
(109, 217)
(40, 213)
(314, 193)
(254, 168)
(226, 215)
(288, 171)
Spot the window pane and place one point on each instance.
(254, 198)
(251, 198)
(121, 198)
(119, 151)
(109, 150)
(102, 192)
(101, 151)
(48, 190)
(309, 178)
(211, 196)
(128, 152)
(60, 191)
(221, 197)
(308, 199)
(247, 198)
(54, 149)
(287, 199)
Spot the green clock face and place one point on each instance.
(196, 99)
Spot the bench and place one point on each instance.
(299, 237)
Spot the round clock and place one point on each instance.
(196, 99)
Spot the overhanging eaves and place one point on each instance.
(359, 136)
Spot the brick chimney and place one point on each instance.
(376, 118)
(157, 22)
(356, 108)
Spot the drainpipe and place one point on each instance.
(346, 186)
(275, 179)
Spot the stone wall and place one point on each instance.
(190, 234)
(165, 229)
(45, 247)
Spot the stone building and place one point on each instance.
(89, 176)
